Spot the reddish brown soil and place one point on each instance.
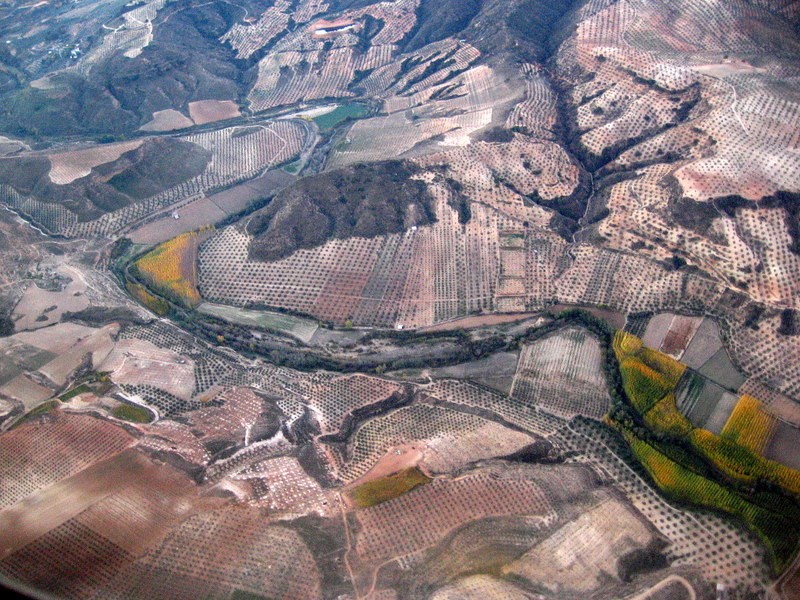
(340, 296)
(395, 460)
(678, 337)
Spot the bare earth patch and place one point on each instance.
(40, 308)
(167, 120)
(97, 346)
(396, 459)
(69, 166)
(59, 338)
(137, 362)
(208, 111)
(25, 390)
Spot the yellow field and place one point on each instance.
(664, 416)
(627, 344)
(743, 464)
(171, 269)
(669, 368)
(644, 386)
(776, 523)
(750, 425)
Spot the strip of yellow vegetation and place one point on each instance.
(743, 464)
(750, 425)
(385, 489)
(696, 466)
(171, 269)
(648, 375)
(778, 529)
(626, 343)
(664, 416)
(669, 368)
(644, 386)
(154, 303)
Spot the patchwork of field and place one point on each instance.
(705, 403)
(704, 345)
(642, 165)
(97, 496)
(303, 67)
(574, 556)
(671, 334)
(650, 380)
(231, 430)
(234, 155)
(436, 273)
(33, 368)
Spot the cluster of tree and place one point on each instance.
(543, 25)
(6, 325)
(450, 347)
(642, 560)
(251, 207)
(120, 248)
(789, 323)
(440, 19)
(358, 201)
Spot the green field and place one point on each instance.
(81, 389)
(39, 410)
(293, 167)
(382, 490)
(339, 115)
(134, 414)
(302, 329)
